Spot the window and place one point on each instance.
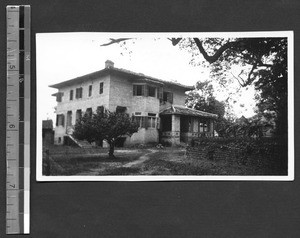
(60, 120)
(71, 95)
(151, 122)
(78, 93)
(101, 88)
(203, 126)
(141, 121)
(89, 111)
(100, 109)
(138, 90)
(69, 118)
(78, 114)
(90, 90)
(59, 96)
(120, 109)
(168, 97)
(151, 91)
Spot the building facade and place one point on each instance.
(157, 105)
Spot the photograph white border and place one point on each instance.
(291, 172)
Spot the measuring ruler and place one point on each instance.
(18, 119)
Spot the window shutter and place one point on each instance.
(170, 98)
(143, 90)
(134, 90)
(57, 120)
(62, 119)
(146, 90)
(158, 123)
(80, 93)
(160, 93)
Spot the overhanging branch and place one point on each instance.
(219, 52)
(115, 41)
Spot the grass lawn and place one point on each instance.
(130, 161)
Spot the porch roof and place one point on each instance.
(182, 110)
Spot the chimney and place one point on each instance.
(109, 64)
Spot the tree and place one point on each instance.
(202, 99)
(262, 62)
(108, 126)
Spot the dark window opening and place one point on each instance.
(151, 91)
(60, 120)
(100, 109)
(120, 109)
(101, 88)
(59, 96)
(78, 93)
(168, 97)
(138, 90)
(71, 95)
(78, 114)
(89, 111)
(69, 118)
(90, 90)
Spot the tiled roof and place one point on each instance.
(108, 70)
(181, 110)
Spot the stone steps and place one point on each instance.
(81, 143)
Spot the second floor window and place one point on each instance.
(168, 97)
(71, 95)
(78, 93)
(101, 88)
(151, 91)
(138, 90)
(90, 90)
(59, 96)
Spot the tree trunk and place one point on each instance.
(111, 149)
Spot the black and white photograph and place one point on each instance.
(164, 106)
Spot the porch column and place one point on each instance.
(211, 127)
(175, 129)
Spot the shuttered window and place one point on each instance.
(60, 120)
(168, 97)
(151, 91)
(138, 90)
(101, 88)
(59, 96)
(78, 93)
(90, 90)
(71, 95)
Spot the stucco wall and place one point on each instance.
(85, 102)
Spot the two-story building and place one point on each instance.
(158, 105)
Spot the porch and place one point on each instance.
(180, 124)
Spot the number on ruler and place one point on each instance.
(11, 126)
(12, 66)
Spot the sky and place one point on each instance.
(63, 56)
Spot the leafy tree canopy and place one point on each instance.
(106, 126)
(261, 62)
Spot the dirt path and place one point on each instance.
(141, 160)
(97, 171)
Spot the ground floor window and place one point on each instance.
(60, 120)
(147, 121)
(78, 114)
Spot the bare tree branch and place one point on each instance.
(219, 52)
(115, 41)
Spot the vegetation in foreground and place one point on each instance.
(168, 161)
